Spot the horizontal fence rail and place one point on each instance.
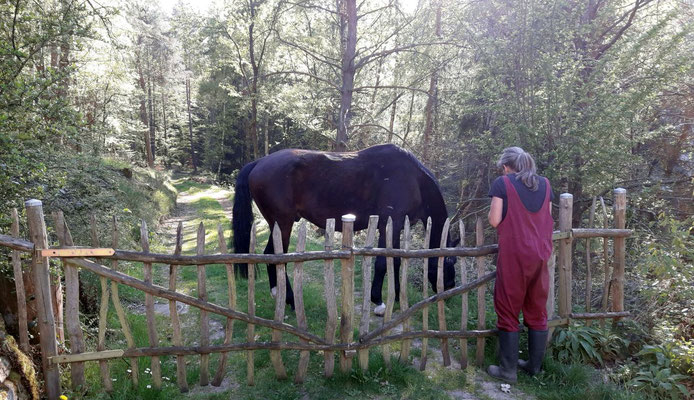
(339, 336)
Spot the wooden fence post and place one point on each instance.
(120, 311)
(149, 309)
(301, 322)
(440, 306)
(481, 302)
(330, 300)
(620, 202)
(589, 279)
(280, 300)
(204, 317)
(231, 293)
(565, 212)
(250, 333)
(425, 294)
(404, 302)
(464, 299)
(103, 314)
(390, 299)
(19, 287)
(49, 348)
(177, 339)
(347, 270)
(72, 302)
(551, 267)
(366, 300)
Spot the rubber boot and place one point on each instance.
(508, 358)
(537, 342)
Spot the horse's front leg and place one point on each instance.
(379, 273)
(272, 268)
(380, 269)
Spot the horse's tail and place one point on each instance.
(242, 217)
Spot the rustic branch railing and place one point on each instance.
(347, 347)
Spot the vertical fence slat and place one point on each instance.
(366, 299)
(441, 305)
(125, 326)
(19, 287)
(231, 293)
(149, 308)
(276, 355)
(331, 301)
(299, 303)
(481, 301)
(204, 317)
(425, 294)
(564, 259)
(72, 311)
(250, 336)
(589, 278)
(606, 263)
(390, 299)
(463, 299)
(404, 304)
(181, 375)
(103, 314)
(347, 271)
(620, 203)
(551, 267)
(46, 321)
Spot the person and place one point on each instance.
(522, 214)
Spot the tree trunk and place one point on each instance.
(152, 131)
(190, 128)
(348, 37)
(432, 99)
(163, 116)
(144, 118)
(392, 119)
(253, 131)
(266, 124)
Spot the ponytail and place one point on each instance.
(523, 164)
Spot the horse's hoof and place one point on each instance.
(273, 292)
(380, 310)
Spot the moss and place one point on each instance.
(21, 366)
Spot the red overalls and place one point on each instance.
(522, 279)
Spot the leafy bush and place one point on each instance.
(587, 345)
(655, 376)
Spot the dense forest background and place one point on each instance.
(601, 92)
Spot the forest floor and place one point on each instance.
(208, 204)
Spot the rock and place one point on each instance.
(8, 391)
(4, 369)
(127, 172)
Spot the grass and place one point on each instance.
(401, 381)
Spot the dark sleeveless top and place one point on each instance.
(531, 200)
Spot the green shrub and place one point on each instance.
(587, 345)
(654, 375)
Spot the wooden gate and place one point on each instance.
(346, 345)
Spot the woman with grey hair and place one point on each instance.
(521, 211)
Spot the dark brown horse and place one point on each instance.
(383, 180)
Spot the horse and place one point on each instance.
(383, 180)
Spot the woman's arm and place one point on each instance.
(496, 211)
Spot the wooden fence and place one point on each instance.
(75, 259)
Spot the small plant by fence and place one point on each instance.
(75, 259)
